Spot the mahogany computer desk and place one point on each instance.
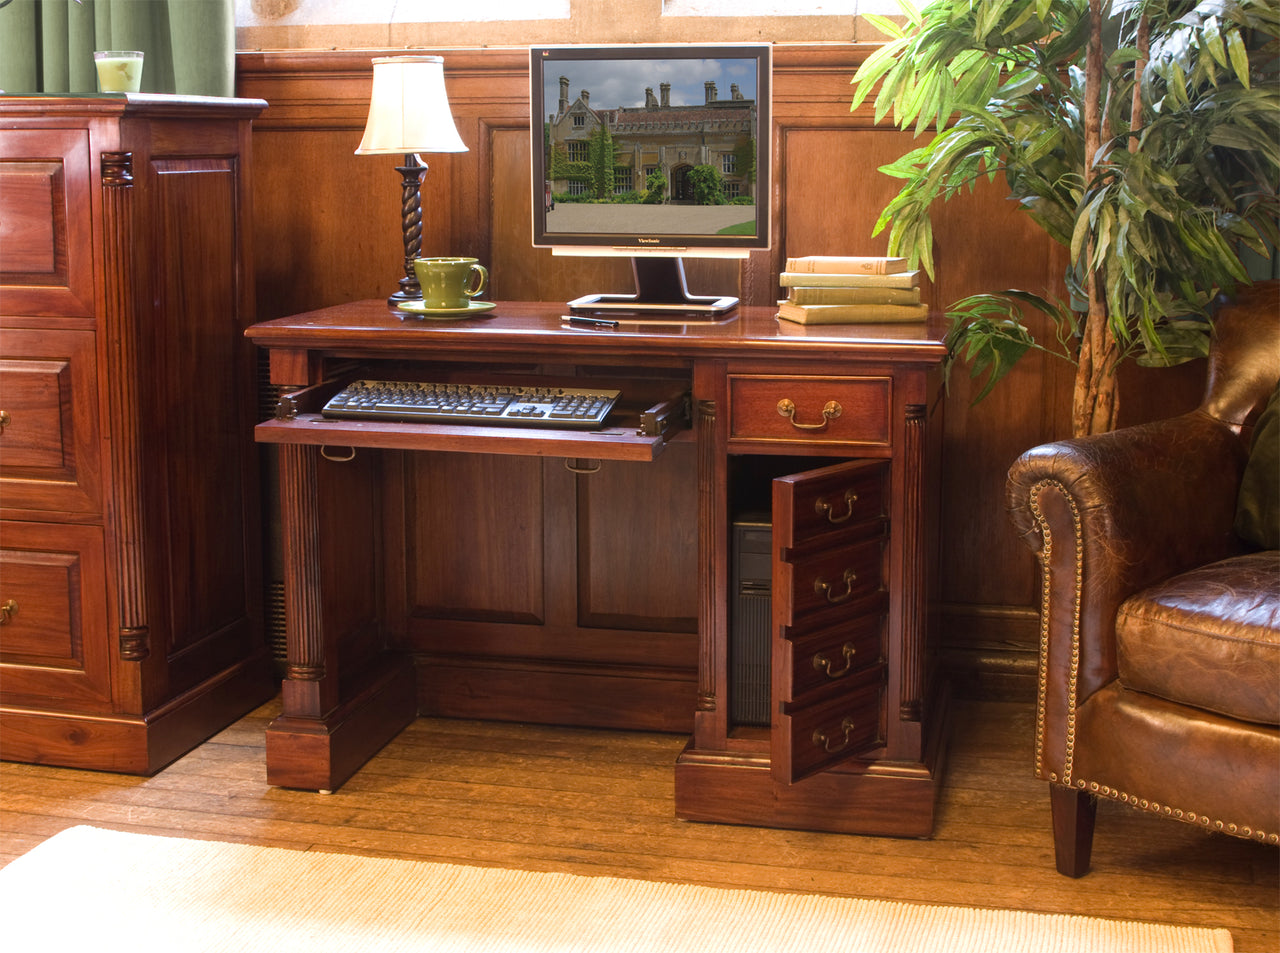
(522, 574)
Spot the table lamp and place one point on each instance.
(409, 114)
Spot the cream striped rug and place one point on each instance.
(90, 891)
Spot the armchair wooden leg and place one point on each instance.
(1073, 812)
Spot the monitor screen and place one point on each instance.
(651, 151)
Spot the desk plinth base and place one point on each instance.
(892, 800)
(883, 798)
(320, 754)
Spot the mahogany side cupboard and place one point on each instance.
(130, 544)
(753, 524)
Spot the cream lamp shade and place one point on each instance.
(409, 110)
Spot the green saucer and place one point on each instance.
(446, 314)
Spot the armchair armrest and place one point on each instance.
(1108, 515)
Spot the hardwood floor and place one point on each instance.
(598, 802)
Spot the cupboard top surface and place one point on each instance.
(103, 105)
(534, 330)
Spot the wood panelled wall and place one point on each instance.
(327, 230)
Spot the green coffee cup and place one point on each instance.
(449, 283)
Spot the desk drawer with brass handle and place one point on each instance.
(851, 411)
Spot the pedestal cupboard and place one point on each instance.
(130, 549)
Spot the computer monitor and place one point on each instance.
(653, 152)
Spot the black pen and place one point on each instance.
(592, 322)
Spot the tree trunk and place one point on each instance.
(1094, 400)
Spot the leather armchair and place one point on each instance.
(1159, 670)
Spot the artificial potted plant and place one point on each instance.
(1143, 135)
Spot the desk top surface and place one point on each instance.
(512, 328)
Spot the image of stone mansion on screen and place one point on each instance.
(655, 137)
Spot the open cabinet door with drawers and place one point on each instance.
(830, 606)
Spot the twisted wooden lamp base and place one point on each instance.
(411, 221)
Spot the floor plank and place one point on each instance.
(600, 802)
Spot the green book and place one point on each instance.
(802, 279)
(851, 295)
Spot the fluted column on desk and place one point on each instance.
(304, 629)
(914, 568)
(121, 323)
(707, 544)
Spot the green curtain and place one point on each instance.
(46, 46)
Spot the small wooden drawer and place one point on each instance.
(817, 736)
(834, 581)
(853, 411)
(46, 246)
(819, 662)
(844, 499)
(54, 645)
(49, 457)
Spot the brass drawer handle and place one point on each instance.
(823, 588)
(823, 664)
(823, 508)
(822, 741)
(830, 411)
(8, 609)
(4, 420)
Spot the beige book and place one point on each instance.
(851, 313)
(846, 265)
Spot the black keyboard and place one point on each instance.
(505, 405)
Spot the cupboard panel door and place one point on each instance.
(53, 628)
(476, 538)
(197, 471)
(829, 607)
(637, 545)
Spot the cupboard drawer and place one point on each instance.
(845, 499)
(851, 411)
(54, 639)
(819, 662)
(833, 581)
(49, 457)
(46, 248)
(818, 736)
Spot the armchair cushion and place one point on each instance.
(1208, 638)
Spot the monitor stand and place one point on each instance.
(660, 288)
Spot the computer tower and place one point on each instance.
(749, 613)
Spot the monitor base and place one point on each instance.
(660, 288)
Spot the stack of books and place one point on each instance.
(831, 289)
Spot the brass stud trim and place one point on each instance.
(1046, 555)
(1165, 810)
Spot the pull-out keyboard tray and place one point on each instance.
(506, 405)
